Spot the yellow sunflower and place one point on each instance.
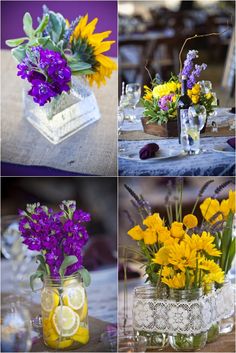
(105, 66)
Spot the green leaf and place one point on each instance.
(47, 43)
(85, 276)
(68, 261)
(43, 266)
(19, 52)
(231, 255)
(34, 276)
(27, 24)
(83, 72)
(42, 25)
(226, 242)
(15, 42)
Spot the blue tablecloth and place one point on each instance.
(208, 162)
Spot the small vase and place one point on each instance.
(65, 114)
(146, 294)
(64, 308)
(187, 342)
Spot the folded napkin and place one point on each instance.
(232, 110)
(148, 151)
(231, 142)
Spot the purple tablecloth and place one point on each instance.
(10, 169)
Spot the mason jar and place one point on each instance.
(214, 330)
(226, 324)
(64, 309)
(155, 340)
(187, 342)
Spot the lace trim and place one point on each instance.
(185, 317)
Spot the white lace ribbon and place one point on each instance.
(185, 317)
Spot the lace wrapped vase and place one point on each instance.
(142, 316)
(65, 114)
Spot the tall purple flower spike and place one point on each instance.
(190, 71)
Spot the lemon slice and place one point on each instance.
(83, 311)
(66, 321)
(74, 297)
(49, 299)
(194, 134)
(82, 335)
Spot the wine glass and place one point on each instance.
(120, 119)
(133, 93)
(206, 86)
(16, 330)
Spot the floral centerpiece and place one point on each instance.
(58, 61)
(185, 258)
(160, 101)
(59, 237)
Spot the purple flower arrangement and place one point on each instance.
(47, 72)
(58, 236)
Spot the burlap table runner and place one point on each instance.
(140, 135)
(92, 150)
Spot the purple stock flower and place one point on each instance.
(164, 101)
(195, 74)
(189, 70)
(47, 72)
(55, 234)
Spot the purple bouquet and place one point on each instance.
(58, 236)
(47, 72)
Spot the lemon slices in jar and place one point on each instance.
(74, 297)
(65, 321)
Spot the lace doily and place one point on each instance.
(185, 317)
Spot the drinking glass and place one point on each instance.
(206, 86)
(133, 93)
(191, 125)
(15, 328)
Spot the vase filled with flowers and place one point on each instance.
(59, 62)
(59, 237)
(183, 256)
(160, 101)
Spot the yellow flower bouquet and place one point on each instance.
(186, 254)
(161, 99)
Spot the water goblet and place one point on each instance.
(15, 328)
(206, 86)
(133, 93)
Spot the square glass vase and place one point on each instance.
(65, 114)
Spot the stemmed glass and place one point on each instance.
(133, 93)
(120, 120)
(16, 328)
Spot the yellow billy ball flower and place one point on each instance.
(154, 221)
(232, 200)
(162, 256)
(136, 233)
(150, 236)
(177, 230)
(190, 221)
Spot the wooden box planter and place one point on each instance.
(166, 130)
